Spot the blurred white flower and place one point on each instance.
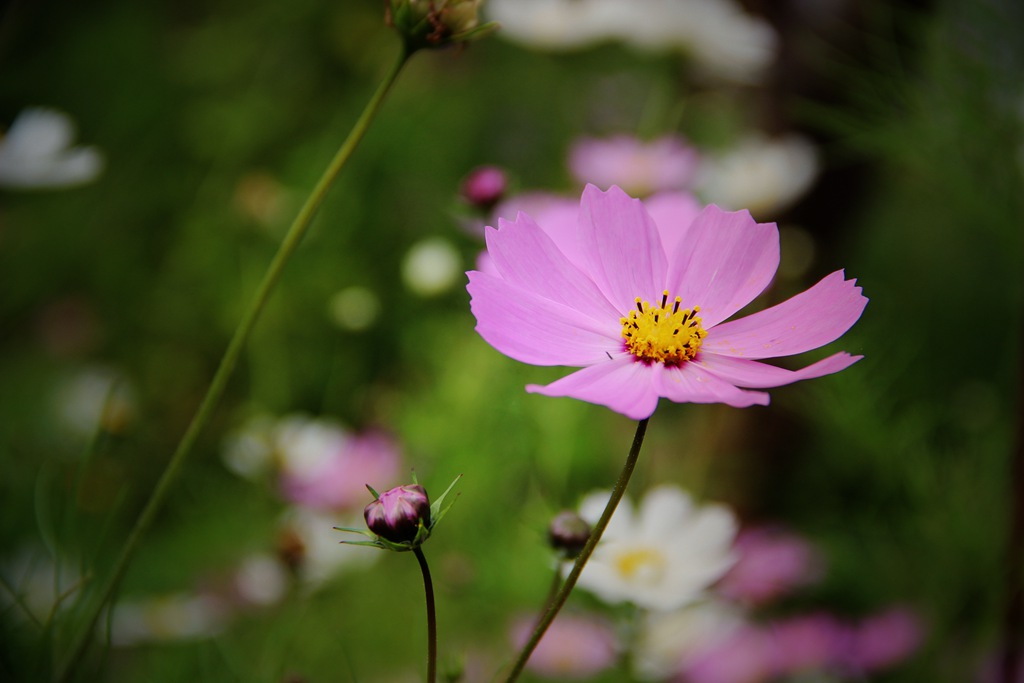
(665, 641)
(761, 174)
(179, 616)
(40, 586)
(318, 554)
(721, 38)
(96, 397)
(304, 444)
(661, 556)
(249, 450)
(431, 266)
(261, 580)
(317, 462)
(354, 308)
(36, 152)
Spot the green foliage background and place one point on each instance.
(899, 469)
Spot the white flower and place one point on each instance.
(297, 444)
(249, 451)
(761, 174)
(667, 640)
(304, 445)
(177, 616)
(261, 580)
(323, 556)
(35, 587)
(662, 556)
(722, 39)
(97, 397)
(36, 152)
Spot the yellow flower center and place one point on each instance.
(641, 564)
(663, 334)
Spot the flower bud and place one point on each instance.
(568, 533)
(434, 23)
(399, 514)
(484, 187)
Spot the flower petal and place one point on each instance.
(619, 526)
(622, 246)
(806, 321)
(726, 260)
(536, 330)
(527, 257)
(557, 216)
(623, 385)
(689, 383)
(750, 373)
(661, 510)
(673, 213)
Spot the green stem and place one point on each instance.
(555, 605)
(294, 236)
(556, 583)
(428, 589)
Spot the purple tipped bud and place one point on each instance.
(568, 533)
(484, 187)
(399, 513)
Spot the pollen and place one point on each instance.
(641, 564)
(664, 334)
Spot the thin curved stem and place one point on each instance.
(555, 605)
(291, 241)
(428, 589)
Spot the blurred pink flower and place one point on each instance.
(640, 305)
(332, 472)
(771, 563)
(574, 647)
(638, 167)
(885, 639)
(484, 186)
(811, 642)
(745, 656)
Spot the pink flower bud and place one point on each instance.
(484, 187)
(399, 513)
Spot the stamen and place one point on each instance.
(652, 333)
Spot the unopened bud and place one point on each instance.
(434, 23)
(484, 187)
(568, 533)
(399, 514)
(402, 518)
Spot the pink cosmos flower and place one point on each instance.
(328, 469)
(639, 167)
(811, 642)
(771, 563)
(640, 305)
(747, 655)
(574, 647)
(885, 639)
